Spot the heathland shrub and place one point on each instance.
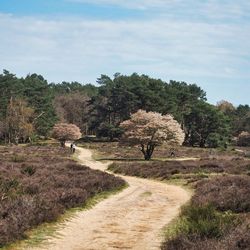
(225, 193)
(28, 170)
(41, 188)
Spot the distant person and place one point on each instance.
(73, 148)
(172, 153)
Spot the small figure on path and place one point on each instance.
(172, 153)
(73, 148)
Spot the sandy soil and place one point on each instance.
(132, 219)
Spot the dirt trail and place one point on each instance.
(132, 219)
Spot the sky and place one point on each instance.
(206, 42)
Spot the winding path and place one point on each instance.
(131, 219)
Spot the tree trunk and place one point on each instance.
(148, 152)
(147, 157)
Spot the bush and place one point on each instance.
(215, 140)
(204, 221)
(28, 170)
(201, 227)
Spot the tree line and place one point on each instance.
(30, 107)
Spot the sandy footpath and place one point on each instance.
(131, 219)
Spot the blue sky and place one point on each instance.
(203, 42)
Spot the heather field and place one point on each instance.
(189, 170)
(38, 183)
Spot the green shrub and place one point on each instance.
(28, 170)
(9, 188)
(204, 221)
(8, 184)
(235, 235)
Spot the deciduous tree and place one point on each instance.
(19, 118)
(73, 108)
(150, 129)
(66, 131)
(226, 107)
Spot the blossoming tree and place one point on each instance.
(150, 129)
(244, 139)
(66, 131)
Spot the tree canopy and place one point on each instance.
(66, 131)
(101, 109)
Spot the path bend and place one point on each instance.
(131, 219)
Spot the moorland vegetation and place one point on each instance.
(38, 183)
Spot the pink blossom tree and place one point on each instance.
(150, 129)
(66, 131)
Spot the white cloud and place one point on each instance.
(80, 49)
(131, 4)
(182, 8)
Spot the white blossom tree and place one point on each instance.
(66, 131)
(244, 139)
(150, 129)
